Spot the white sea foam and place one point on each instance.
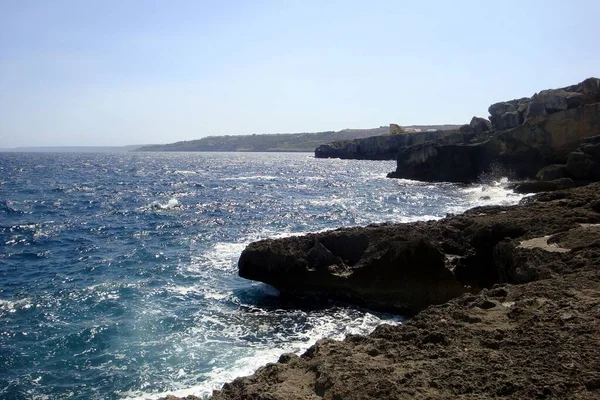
(252, 177)
(497, 192)
(329, 202)
(12, 306)
(249, 339)
(335, 326)
(172, 204)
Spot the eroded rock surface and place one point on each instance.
(407, 267)
(532, 341)
(525, 136)
(384, 147)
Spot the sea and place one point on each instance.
(118, 271)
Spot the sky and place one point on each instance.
(120, 72)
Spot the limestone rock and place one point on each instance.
(539, 310)
(552, 172)
(396, 129)
(544, 139)
(544, 186)
(583, 166)
(589, 89)
(480, 125)
(377, 147)
(497, 110)
(449, 163)
(510, 120)
(535, 113)
(365, 265)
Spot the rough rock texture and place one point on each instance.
(532, 333)
(435, 162)
(383, 267)
(552, 172)
(544, 185)
(527, 134)
(582, 166)
(410, 266)
(396, 129)
(480, 125)
(535, 341)
(377, 147)
(544, 103)
(584, 162)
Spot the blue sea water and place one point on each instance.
(118, 271)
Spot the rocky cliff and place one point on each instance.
(382, 147)
(521, 137)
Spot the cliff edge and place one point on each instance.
(553, 127)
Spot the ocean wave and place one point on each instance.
(7, 207)
(336, 324)
(252, 178)
(172, 204)
(12, 306)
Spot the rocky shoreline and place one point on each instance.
(555, 134)
(384, 147)
(555, 130)
(525, 325)
(505, 300)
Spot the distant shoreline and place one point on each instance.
(71, 149)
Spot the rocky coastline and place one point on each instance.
(383, 147)
(524, 324)
(554, 130)
(552, 135)
(504, 300)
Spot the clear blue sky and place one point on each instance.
(130, 72)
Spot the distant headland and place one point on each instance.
(295, 142)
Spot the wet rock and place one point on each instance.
(544, 186)
(552, 172)
(540, 342)
(449, 163)
(372, 266)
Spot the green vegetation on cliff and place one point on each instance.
(272, 142)
(265, 142)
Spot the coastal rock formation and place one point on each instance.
(510, 114)
(383, 147)
(531, 332)
(411, 266)
(396, 129)
(462, 162)
(526, 135)
(582, 166)
(480, 125)
(584, 162)
(388, 267)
